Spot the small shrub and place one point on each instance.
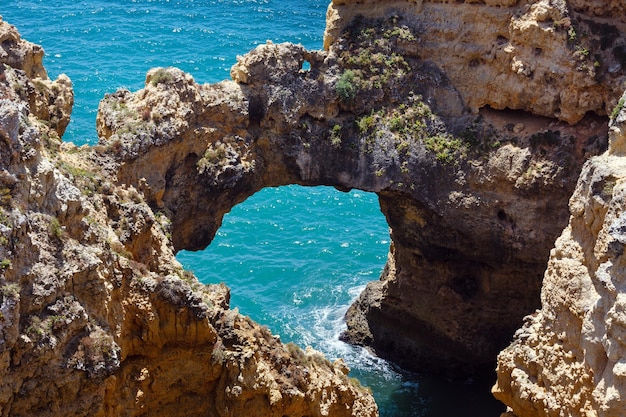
(5, 197)
(403, 146)
(397, 123)
(444, 147)
(296, 353)
(335, 136)
(11, 290)
(618, 108)
(583, 52)
(18, 88)
(55, 228)
(56, 322)
(571, 34)
(5, 264)
(346, 88)
(161, 76)
(401, 33)
(35, 330)
(214, 157)
(365, 123)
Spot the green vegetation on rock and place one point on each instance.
(161, 76)
(346, 88)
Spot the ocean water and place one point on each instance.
(293, 257)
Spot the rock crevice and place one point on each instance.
(568, 355)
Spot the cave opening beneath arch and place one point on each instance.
(295, 258)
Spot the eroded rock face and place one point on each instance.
(473, 140)
(97, 318)
(549, 57)
(20, 54)
(568, 357)
(474, 201)
(49, 100)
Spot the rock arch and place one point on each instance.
(474, 201)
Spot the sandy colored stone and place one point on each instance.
(545, 57)
(568, 357)
(473, 140)
(97, 318)
(19, 53)
(468, 253)
(48, 100)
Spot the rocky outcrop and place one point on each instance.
(97, 318)
(474, 199)
(556, 59)
(473, 140)
(568, 358)
(20, 54)
(553, 58)
(48, 100)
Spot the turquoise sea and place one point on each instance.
(293, 257)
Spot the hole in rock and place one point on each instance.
(501, 40)
(474, 62)
(295, 258)
(306, 66)
(256, 110)
(466, 286)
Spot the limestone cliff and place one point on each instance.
(97, 318)
(568, 359)
(559, 59)
(470, 120)
(474, 196)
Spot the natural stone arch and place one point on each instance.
(297, 245)
(467, 252)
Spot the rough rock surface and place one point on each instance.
(48, 100)
(569, 358)
(472, 138)
(462, 192)
(555, 58)
(20, 54)
(97, 318)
